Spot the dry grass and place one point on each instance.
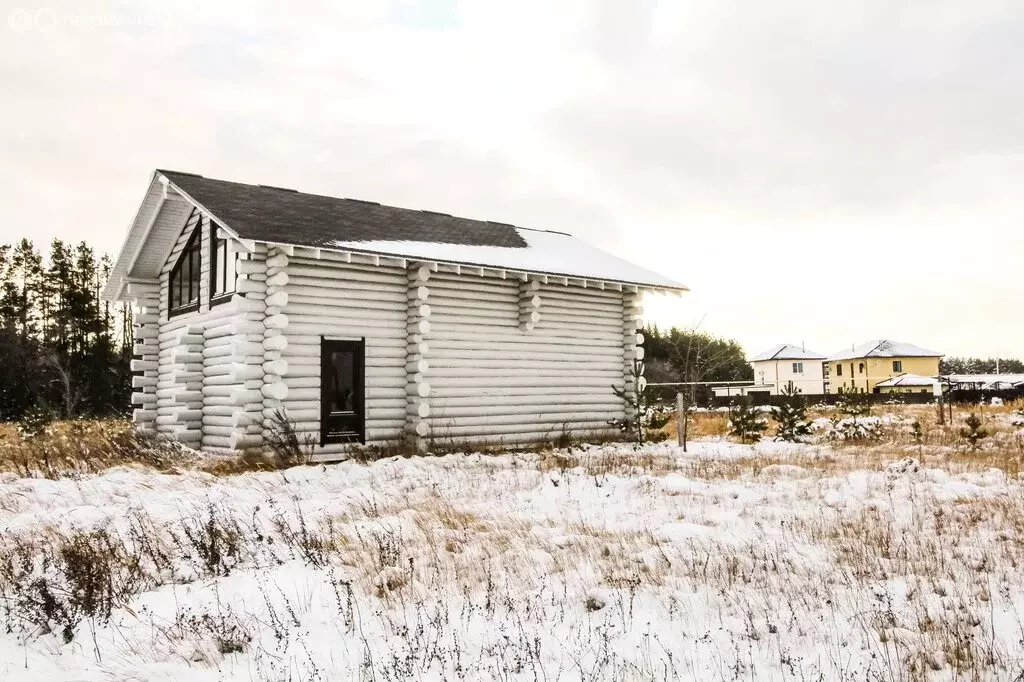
(472, 544)
(72, 448)
(702, 425)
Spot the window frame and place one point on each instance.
(226, 295)
(358, 348)
(190, 248)
(798, 368)
(839, 370)
(897, 365)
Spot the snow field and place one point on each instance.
(772, 561)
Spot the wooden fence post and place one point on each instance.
(679, 417)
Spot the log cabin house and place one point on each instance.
(367, 323)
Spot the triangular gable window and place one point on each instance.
(183, 294)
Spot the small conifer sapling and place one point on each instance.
(791, 416)
(973, 432)
(745, 421)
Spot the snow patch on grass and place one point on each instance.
(770, 561)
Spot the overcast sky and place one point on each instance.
(825, 172)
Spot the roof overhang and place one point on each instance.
(163, 190)
(464, 267)
(160, 194)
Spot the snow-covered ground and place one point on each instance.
(772, 561)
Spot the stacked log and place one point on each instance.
(449, 354)
(180, 383)
(493, 379)
(146, 352)
(632, 312)
(529, 305)
(273, 368)
(232, 356)
(334, 296)
(417, 350)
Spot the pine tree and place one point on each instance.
(60, 344)
(22, 289)
(645, 418)
(746, 421)
(60, 294)
(791, 414)
(973, 432)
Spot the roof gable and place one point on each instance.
(284, 217)
(786, 351)
(884, 348)
(274, 214)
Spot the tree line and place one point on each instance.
(694, 356)
(980, 366)
(63, 349)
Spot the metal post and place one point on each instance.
(679, 417)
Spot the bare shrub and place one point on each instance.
(223, 630)
(314, 545)
(217, 540)
(53, 586)
(288, 447)
(405, 446)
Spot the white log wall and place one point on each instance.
(328, 297)
(197, 383)
(517, 361)
(451, 356)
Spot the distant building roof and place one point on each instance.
(786, 351)
(987, 380)
(908, 380)
(884, 348)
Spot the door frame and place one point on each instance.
(358, 348)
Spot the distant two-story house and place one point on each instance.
(862, 368)
(778, 367)
(787, 364)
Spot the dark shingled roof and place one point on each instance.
(273, 214)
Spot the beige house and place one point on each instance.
(862, 368)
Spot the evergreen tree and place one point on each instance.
(746, 421)
(791, 414)
(980, 366)
(61, 345)
(973, 432)
(645, 417)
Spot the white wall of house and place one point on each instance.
(451, 354)
(491, 378)
(807, 375)
(458, 356)
(207, 364)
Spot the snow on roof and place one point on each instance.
(553, 253)
(787, 351)
(884, 348)
(909, 380)
(277, 215)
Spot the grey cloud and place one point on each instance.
(855, 113)
(396, 164)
